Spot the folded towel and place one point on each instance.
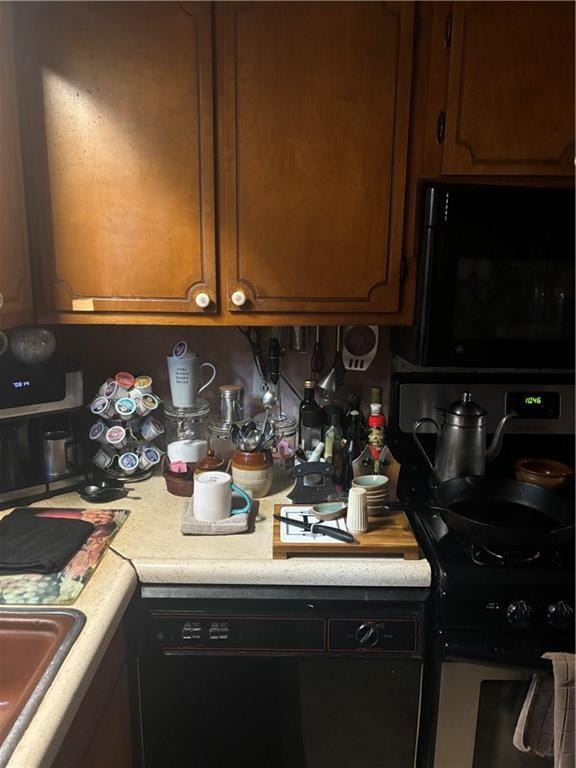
(32, 543)
(546, 722)
(564, 698)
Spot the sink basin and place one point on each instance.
(33, 645)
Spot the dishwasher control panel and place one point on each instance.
(181, 633)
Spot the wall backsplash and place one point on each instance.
(104, 350)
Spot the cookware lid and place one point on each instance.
(465, 407)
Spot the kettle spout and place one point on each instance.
(493, 451)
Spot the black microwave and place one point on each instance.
(496, 279)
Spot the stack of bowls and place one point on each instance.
(376, 487)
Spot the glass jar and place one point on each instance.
(186, 431)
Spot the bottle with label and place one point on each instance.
(333, 445)
(376, 424)
(311, 420)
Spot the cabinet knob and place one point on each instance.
(1, 300)
(202, 300)
(238, 298)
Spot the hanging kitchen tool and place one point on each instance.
(317, 360)
(253, 336)
(360, 344)
(339, 370)
(299, 339)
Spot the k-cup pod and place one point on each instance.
(146, 404)
(97, 432)
(114, 391)
(144, 384)
(124, 379)
(151, 428)
(149, 458)
(103, 459)
(136, 394)
(104, 386)
(128, 462)
(125, 408)
(117, 437)
(102, 406)
(180, 349)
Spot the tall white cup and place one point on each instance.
(184, 375)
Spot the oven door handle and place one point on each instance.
(492, 653)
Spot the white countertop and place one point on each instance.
(150, 548)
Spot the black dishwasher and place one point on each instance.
(279, 677)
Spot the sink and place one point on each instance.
(33, 645)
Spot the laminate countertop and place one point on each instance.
(150, 548)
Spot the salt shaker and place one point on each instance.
(357, 516)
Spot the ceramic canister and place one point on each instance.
(253, 472)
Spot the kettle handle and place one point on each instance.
(415, 429)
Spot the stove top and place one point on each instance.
(527, 598)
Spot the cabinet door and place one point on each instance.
(118, 100)
(510, 106)
(15, 285)
(313, 104)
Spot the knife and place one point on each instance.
(326, 530)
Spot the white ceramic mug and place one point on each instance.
(213, 497)
(184, 375)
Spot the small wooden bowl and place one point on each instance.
(546, 473)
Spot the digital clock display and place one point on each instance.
(534, 405)
(21, 384)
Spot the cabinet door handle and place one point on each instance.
(202, 300)
(1, 300)
(238, 298)
(440, 128)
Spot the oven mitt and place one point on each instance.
(32, 544)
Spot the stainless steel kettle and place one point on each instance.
(461, 447)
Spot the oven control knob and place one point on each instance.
(519, 614)
(368, 635)
(560, 614)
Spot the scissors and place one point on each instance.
(253, 336)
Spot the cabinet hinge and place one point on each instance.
(448, 31)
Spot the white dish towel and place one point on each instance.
(546, 723)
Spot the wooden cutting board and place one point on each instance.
(388, 536)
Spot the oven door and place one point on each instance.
(477, 713)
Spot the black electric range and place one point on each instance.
(490, 606)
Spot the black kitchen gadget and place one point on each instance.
(314, 483)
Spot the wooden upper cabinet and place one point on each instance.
(117, 107)
(16, 306)
(510, 104)
(313, 118)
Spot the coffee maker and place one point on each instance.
(41, 424)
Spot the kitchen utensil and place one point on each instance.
(506, 515)
(325, 530)
(339, 370)
(360, 344)
(213, 497)
(300, 339)
(546, 473)
(253, 336)
(101, 490)
(324, 490)
(317, 360)
(330, 510)
(461, 446)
